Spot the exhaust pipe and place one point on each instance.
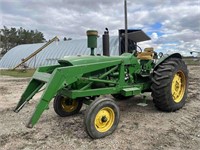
(106, 43)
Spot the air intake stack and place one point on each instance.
(92, 40)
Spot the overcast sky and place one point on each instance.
(173, 25)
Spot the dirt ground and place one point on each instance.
(139, 127)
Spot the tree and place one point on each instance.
(13, 37)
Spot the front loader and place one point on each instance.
(83, 79)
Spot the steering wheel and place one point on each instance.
(138, 50)
(160, 54)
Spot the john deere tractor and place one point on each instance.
(84, 79)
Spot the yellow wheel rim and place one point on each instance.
(69, 106)
(178, 86)
(104, 119)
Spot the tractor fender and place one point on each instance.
(167, 56)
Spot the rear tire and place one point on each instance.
(170, 83)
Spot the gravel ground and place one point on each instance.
(139, 127)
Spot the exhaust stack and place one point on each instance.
(106, 45)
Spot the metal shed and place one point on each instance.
(53, 52)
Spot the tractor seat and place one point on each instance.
(147, 54)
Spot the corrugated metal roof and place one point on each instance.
(53, 52)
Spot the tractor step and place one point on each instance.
(131, 91)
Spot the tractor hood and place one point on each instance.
(80, 60)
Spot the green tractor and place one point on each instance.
(84, 79)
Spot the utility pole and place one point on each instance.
(126, 26)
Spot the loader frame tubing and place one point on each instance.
(57, 78)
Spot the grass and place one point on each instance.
(192, 62)
(18, 73)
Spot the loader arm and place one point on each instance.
(61, 77)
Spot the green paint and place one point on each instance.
(88, 76)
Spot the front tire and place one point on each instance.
(170, 83)
(101, 118)
(65, 106)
